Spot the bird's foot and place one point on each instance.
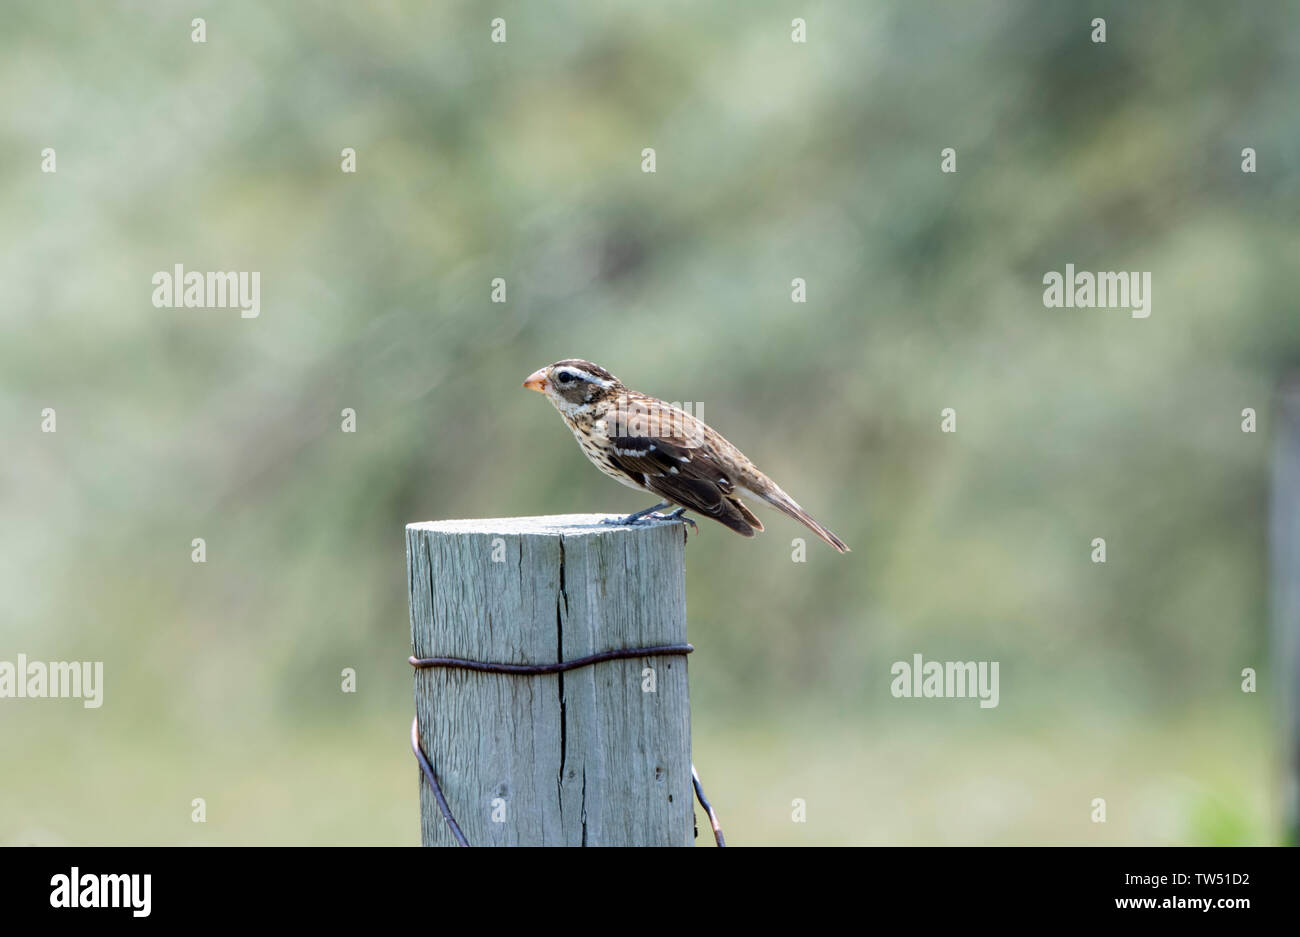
(680, 515)
(650, 515)
(640, 517)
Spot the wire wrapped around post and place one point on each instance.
(458, 663)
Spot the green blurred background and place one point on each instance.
(775, 160)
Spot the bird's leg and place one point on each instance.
(680, 515)
(635, 518)
(649, 515)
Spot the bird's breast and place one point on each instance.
(594, 442)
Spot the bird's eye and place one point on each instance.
(564, 377)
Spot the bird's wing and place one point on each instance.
(668, 453)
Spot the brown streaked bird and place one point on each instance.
(653, 446)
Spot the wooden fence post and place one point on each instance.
(597, 756)
(1284, 545)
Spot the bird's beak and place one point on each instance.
(537, 380)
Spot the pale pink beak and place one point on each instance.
(537, 380)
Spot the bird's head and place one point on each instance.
(573, 384)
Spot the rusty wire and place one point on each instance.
(460, 663)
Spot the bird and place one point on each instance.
(653, 446)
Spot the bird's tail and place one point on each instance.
(787, 505)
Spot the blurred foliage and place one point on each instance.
(775, 160)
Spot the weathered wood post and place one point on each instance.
(1284, 545)
(596, 756)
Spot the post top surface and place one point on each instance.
(548, 524)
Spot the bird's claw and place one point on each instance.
(643, 517)
(635, 520)
(680, 515)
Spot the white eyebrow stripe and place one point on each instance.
(585, 375)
